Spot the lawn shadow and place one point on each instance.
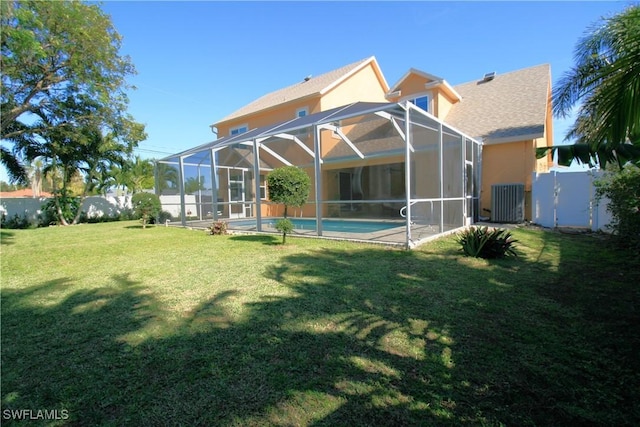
(346, 337)
(139, 227)
(260, 238)
(6, 237)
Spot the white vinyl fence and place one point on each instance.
(94, 206)
(567, 199)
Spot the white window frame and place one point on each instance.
(300, 110)
(263, 186)
(412, 98)
(239, 128)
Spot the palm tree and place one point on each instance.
(36, 176)
(141, 174)
(605, 82)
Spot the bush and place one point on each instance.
(69, 206)
(163, 216)
(623, 191)
(16, 222)
(285, 226)
(218, 228)
(146, 206)
(290, 186)
(485, 242)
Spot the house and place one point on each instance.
(359, 140)
(510, 113)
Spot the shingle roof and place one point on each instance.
(314, 86)
(510, 107)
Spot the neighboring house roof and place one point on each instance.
(510, 107)
(21, 194)
(318, 85)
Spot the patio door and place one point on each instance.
(236, 193)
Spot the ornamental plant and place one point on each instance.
(146, 206)
(488, 243)
(288, 185)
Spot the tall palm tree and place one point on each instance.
(36, 176)
(605, 82)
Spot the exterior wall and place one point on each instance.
(270, 116)
(364, 86)
(442, 105)
(414, 83)
(507, 163)
(439, 103)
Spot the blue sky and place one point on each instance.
(199, 61)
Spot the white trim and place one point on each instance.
(417, 72)
(377, 70)
(414, 96)
(301, 109)
(394, 94)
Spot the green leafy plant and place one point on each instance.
(288, 185)
(218, 228)
(146, 206)
(285, 226)
(623, 191)
(16, 222)
(68, 204)
(485, 242)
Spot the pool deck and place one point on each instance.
(395, 236)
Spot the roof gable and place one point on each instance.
(414, 71)
(511, 107)
(314, 86)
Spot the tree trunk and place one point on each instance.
(56, 200)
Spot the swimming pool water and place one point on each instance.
(343, 226)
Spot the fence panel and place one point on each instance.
(567, 199)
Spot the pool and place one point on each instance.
(337, 225)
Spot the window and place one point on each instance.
(301, 112)
(422, 102)
(263, 187)
(238, 130)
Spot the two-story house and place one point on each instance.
(360, 139)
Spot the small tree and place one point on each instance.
(288, 185)
(147, 206)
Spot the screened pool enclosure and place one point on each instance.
(381, 172)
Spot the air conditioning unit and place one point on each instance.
(507, 203)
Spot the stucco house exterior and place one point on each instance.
(359, 140)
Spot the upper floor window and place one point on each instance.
(301, 112)
(238, 129)
(422, 102)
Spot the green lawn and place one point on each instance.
(166, 326)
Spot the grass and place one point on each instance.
(165, 326)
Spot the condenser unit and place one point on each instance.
(507, 203)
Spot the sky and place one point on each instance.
(199, 61)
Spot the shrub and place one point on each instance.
(218, 228)
(290, 186)
(485, 242)
(16, 222)
(285, 226)
(146, 206)
(69, 206)
(163, 216)
(623, 191)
